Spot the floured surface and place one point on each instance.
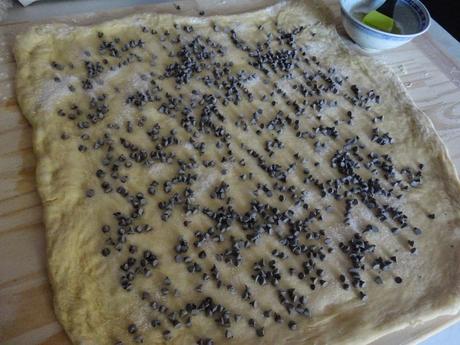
(74, 221)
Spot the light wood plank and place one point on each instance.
(26, 316)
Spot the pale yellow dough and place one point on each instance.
(88, 299)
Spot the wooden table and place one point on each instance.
(26, 314)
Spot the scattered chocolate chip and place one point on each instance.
(132, 328)
(260, 332)
(378, 280)
(167, 335)
(417, 231)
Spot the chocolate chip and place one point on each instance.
(277, 317)
(132, 328)
(417, 231)
(105, 228)
(90, 193)
(167, 334)
(260, 332)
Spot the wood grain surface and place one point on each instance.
(26, 315)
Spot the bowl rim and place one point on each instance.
(418, 3)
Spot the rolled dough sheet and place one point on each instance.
(247, 137)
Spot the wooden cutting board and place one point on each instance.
(26, 314)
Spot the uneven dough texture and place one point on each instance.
(88, 299)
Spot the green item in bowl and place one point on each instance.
(379, 21)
